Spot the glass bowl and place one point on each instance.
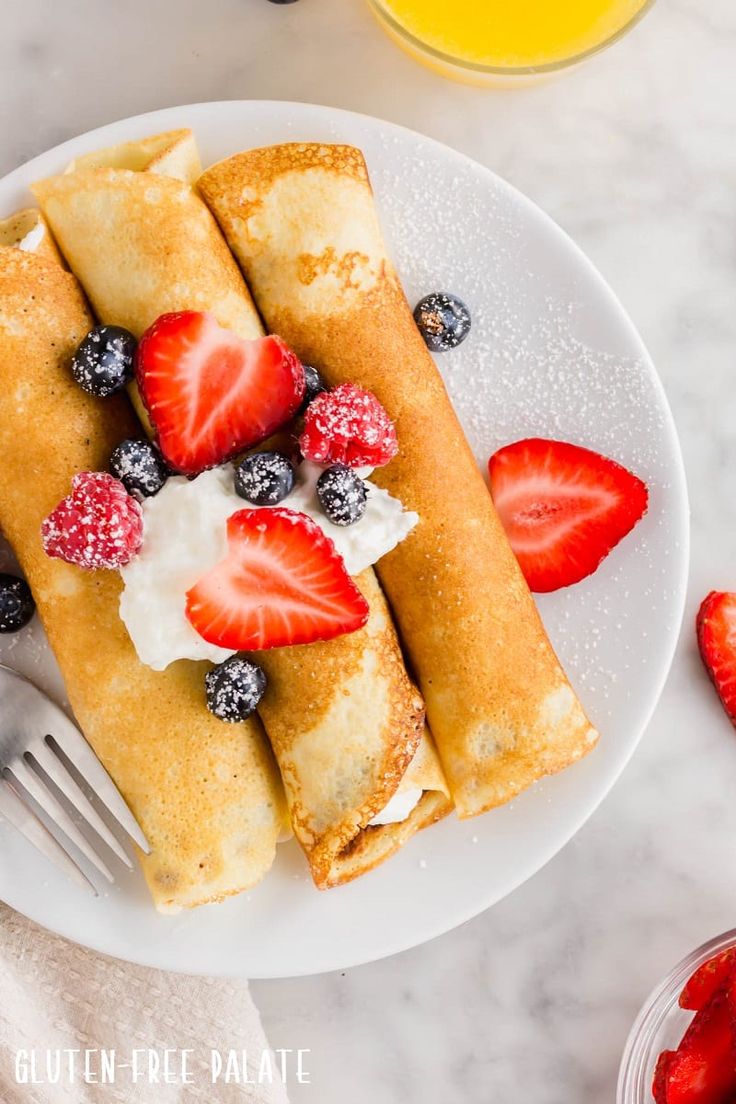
(661, 1024)
(489, 76)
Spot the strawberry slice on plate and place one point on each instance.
(208, 393)
(716, 628)
(282, 583)
(703, 1068)
(563, 508)
(707, 979)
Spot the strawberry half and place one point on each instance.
(703, 1068)
(563, 508)
(282, 583)
(208, 393)
(707, 979)
(716, 628)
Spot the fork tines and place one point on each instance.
(40, 753)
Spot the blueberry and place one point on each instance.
(234, 689)
(103, 363)
(315, 386)
(16, 603)
(342, 494)
(443, 321)
(265, 478)
(139, 466)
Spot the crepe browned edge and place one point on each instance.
(335, 786)
(142, 244)
(498, 702)
(207, 794)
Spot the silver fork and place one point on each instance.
(36, 737)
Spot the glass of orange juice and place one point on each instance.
(505, 42)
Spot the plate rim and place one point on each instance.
(600, 791)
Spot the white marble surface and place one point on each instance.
(635, 156)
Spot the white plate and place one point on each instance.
(551, 353)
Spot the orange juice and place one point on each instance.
(511, 34)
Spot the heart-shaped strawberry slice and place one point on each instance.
(208, 393)
(564, 508)
(282, 583)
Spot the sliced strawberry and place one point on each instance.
(707, 979)
(210, 394)
(659, 1081)
(716, 628)
(563, 508)
(282, 583)
(703, 1068)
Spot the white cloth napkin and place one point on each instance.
(56, 996)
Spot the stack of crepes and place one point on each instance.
(345, 721)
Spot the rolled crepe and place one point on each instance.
(338, 771)
(498, 702)
(207, 794)
(173, 153)
(142, 244)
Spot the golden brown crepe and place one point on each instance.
(207, 794)
(300, 219)
(336, 770)
(173, 153)
(142, 244)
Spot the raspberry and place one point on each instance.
(348, 426)
(98, 525)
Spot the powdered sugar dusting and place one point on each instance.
(547, 355)
(504, 241)
(265, 478)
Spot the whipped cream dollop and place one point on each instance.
(185, 536)
(399, 806)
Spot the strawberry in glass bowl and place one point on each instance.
(682, 1047)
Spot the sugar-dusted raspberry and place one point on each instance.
(98, 525)
(348, 426)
